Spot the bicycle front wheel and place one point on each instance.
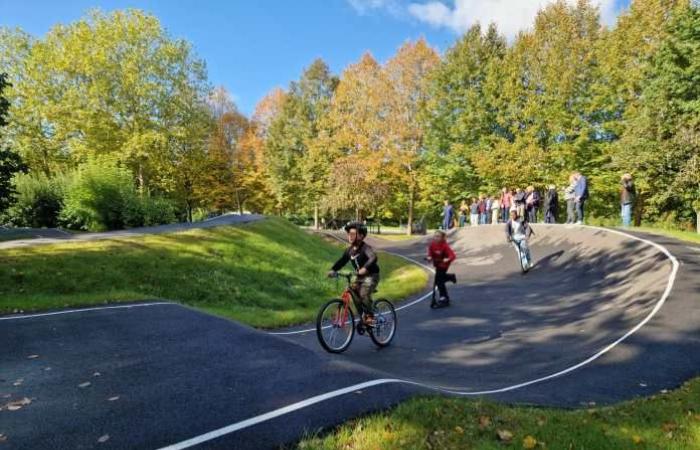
(384, 327)
(335, 326)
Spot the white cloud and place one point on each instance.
(511, 16)
(365, 6)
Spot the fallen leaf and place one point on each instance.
(636, 439)
(17, 404)
(484, 422)
(669, 435)
(669, 426)
(642, 384)
(3, 437)
(504, 435)
(664, 391)
(47, 369)
(32, 356)
(540, 422)
(96, 374)
(459, 430)
(103, 439)
(111, 399)
(529, 442)
(84, 385)
(18, 382)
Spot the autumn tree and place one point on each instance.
(407, 72)
(10, 162)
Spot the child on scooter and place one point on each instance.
(441, 255)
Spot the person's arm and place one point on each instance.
(371, 259)
(342, 261)
(450, 254)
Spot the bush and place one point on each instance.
(39, 200)
(157, 211)
(99, 197)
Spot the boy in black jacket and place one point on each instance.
(364, 261)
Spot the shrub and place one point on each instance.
(99, 195)
(39, 200)
(157, 211)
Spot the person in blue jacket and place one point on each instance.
(580, 196)
(447, 216)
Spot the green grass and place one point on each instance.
(669, 421)
(266, 274)
(396, 237)
(688, 236)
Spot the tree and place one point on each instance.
(10, 162)
(408, 72)
(102, 85)
(661, 145)
(458, 115)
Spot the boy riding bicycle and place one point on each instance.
(364, 261)
(518, 231)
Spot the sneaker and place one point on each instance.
(443, 299)
(368, 320)
(578, 222)
(452, 277)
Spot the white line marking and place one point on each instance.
(70, 311)
(697, 249)
(371, 383)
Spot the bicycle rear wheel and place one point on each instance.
(335, 326)
(384, 327)
(524, 262)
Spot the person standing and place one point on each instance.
(487, 213)
(551, 205)
(482, 209)
(495, 209)
(519, 201)
(581, 195)
(463, 208)
(474, 213)
(628, 194)
(532, 203)
(447, 216)
(506, 202)
(569, 197)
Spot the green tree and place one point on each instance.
(10, 162)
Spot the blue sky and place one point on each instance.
(253, 46)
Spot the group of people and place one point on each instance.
(528, 203)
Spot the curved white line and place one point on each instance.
(69, 311)
(371, 383)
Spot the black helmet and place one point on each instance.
(359, 226)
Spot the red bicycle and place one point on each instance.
(335, 323)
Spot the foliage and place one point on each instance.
(10, 162)
(39, 200)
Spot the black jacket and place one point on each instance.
(363, 256)
(551, 201)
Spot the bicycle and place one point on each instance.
(335, 322)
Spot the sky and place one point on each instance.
(253, 46)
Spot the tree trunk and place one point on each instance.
(316, 216)
(697, 221)
(409, 224)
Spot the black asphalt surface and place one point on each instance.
(163, 374)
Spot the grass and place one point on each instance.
(688, 236)
(266, 274)
(397, 237)
(668, 421)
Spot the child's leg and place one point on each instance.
(367, 287)
(440, 279)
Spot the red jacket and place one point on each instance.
(438, 252)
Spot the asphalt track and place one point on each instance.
(601, 317)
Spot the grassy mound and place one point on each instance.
(266, 274)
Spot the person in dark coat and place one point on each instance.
(551, 205)
(447, 216)
(627, 196)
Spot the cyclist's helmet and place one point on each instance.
(359, 226)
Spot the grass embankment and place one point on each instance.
(666, 421)
(266, 274)
(688, 236)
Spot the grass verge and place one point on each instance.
(266, 274)
(687, 236)
(668, 421)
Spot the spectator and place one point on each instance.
(551, 205)
(627, 197)
(463, 208)
(482, 209)
(495, 209)
(581, 195)
(474, 213)
(447, 216)
(506, 202)
(569, 197)
(487, 212)
(519, 201)
(532, 204)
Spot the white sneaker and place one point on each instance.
(443, 299)
(578, 222)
